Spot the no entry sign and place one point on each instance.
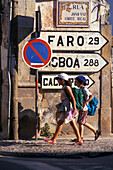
(36, 53)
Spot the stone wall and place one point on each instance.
(112, 83)
(47, 99)
(3, 56)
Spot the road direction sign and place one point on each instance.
(36, 53)
(76, 62)
(74, 41)
(49, 81)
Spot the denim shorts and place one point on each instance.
(64, 108)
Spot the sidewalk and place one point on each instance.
(62, 149)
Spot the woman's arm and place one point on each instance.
(69, 91)
(87, 101)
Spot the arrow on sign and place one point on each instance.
(76, 41)
(76, 62)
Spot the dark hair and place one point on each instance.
(68, 83)
(80, 81)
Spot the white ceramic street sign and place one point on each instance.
(76, 62)
(74, 40)
(73, 13)
(49, 81)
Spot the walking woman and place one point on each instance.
(67, 113)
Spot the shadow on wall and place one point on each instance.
(26, 123)
(0, 72)
(22, 27)
(25, 26)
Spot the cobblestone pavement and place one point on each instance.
(63, 148)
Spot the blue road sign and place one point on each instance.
(36, 53)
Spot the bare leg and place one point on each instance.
(96, 132)
(76, 131)
(58, 129)
(81, 130)
(90, 127)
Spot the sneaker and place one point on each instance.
(97, 134)
(75, 140)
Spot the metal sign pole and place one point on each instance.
(36, 104)
(37, 34)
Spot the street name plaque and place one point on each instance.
(74, 13)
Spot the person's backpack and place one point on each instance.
(92, 106)
(78, 97)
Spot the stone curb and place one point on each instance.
(57, 155)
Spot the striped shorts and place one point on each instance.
(82, 118)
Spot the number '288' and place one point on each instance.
(91, 62)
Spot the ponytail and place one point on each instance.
(69, 83)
